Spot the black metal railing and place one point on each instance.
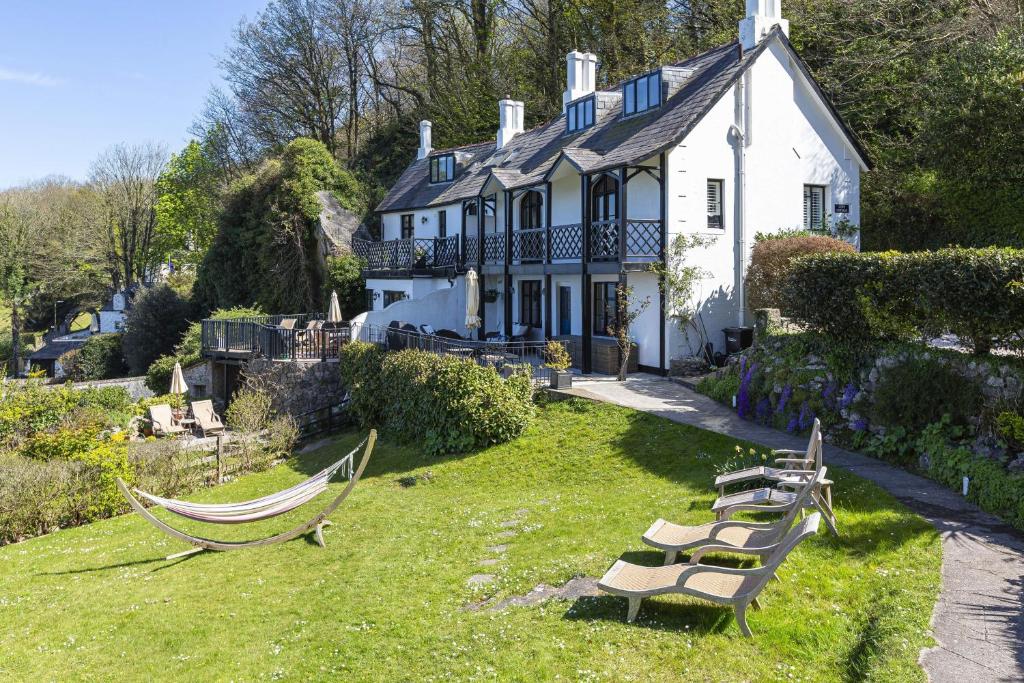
(528, 245)
(567, 242)
(494, 247)
(471, 253)
(643, 239)
(505, 356)
(604, 240)
(282, 337)
(408, 254)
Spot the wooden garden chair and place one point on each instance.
(163, 421)
(207, 419)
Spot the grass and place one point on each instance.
(388, 599)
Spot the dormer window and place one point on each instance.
(579, 115)
(442, 168)
(641, 94)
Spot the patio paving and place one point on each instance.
(977, 620)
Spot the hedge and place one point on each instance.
(770, 260)
(445, 404)
(974, 293)
(100, 357)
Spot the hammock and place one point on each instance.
(254, 510)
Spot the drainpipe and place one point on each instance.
(742, 106)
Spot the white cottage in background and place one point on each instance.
(733, 142)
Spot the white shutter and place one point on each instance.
(715, 203)
(814, 207)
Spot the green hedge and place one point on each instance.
(974, 293)
(100, 357)
(448, 405)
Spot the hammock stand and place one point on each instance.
(254, 510)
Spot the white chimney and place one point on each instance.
(762, 16)
(581, 76)
(425, 149)
(510, 115)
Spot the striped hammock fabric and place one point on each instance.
(259, 508)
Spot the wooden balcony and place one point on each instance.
(410, 255)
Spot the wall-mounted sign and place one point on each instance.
(842, 208)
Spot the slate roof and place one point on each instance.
(611, 142)
(56, 349)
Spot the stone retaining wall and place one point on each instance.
(298, 387)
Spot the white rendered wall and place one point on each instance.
(392, 222)
(644, 330)
(574, 282)
(444, 309)
(792, 143)
(565, 202)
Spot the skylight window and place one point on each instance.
(442, 168)
(641, 94)
(580, 115)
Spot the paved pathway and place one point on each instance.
(978, 619)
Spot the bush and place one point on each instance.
(973, 293)
(250, 411)
(158, 375)
(448, 405)
(770, 261)
(919, 392)
(157, 319)
(344, 276)
(720, 386)
(100, 357)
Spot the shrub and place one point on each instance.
(1010, 428)
(448, 405)
(344, 276)
(556, 356)
(250, 411)
(770, 260)
(973, 293)
(158, 317)
(919, 392)
(720, 386)
(100, 357)
(158, 375)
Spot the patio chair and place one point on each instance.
(797, 468)
(287, 324)
(754, 538)
(207, 419)
(163, 421)
(766, 499)
(739, 588)
(520, 333)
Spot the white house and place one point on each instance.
(110, 318)
(733, 142)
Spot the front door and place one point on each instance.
(564, 310)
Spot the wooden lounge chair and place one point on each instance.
(207, 419)
(287, 324)
(756, 538)
(723, 585)
(798, 467)
(163, 420)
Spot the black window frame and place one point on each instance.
(581, 114)
(808, 219)
(408, 227)
(442, 223)
(531, 210)
(647, 84)
(605, 199)
(606, 310)
(720, 223)
(530, 303)
(442, 168)
(393, 296)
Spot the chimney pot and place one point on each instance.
(762, 16)
(581, 76)
(510, 117)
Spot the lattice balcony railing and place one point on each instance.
(567, 241)
(643, 239)
(528, 245)
(494, 247)
(604, 240)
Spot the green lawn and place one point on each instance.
(388, 599)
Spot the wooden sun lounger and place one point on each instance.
(739, 588)
(163, 421)
(798, 469)
(207, 418)
(755, 538)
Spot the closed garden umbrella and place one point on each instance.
(334, 312)
(178, 385)
(472, 300)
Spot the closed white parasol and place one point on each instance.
(472, 300)
(334, 312)
(178, 385)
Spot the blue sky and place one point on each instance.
(77, 76)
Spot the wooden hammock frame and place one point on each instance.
(200, 544)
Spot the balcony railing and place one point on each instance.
(273, 337)
(409, 254)
(567, 242)
(528, 245)
(494, 247)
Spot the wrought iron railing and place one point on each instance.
(274, 337)
(528, 245)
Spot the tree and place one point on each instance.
(344, 276)
(15, 243)
(155, 323)
(187, 204)
(628, 308)
(125, 177)
(101, 357)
